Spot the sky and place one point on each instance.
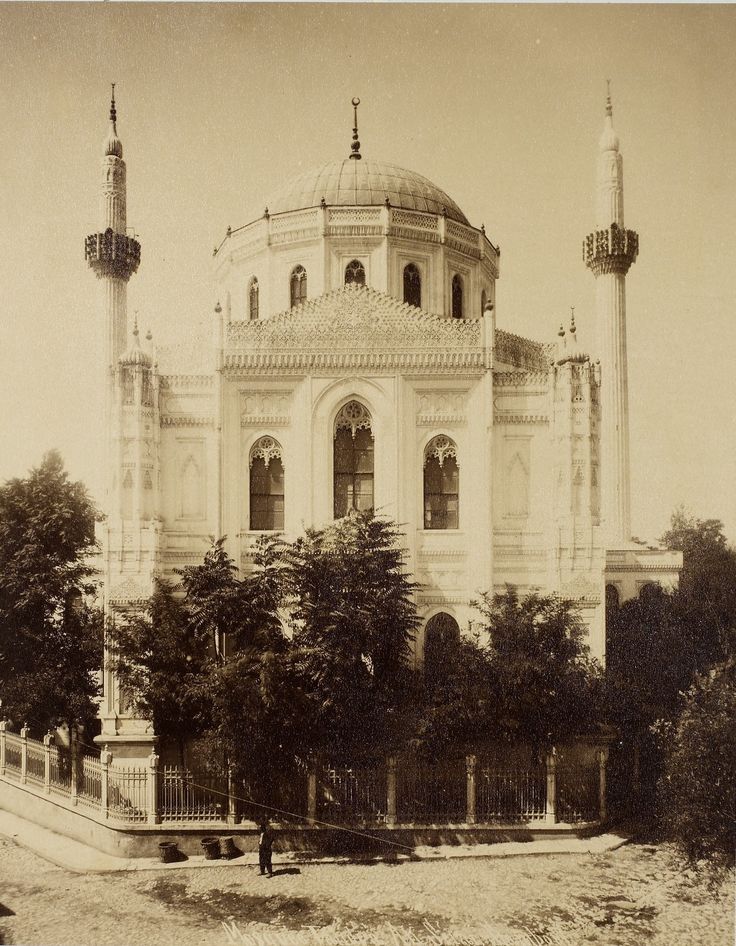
(500, 105)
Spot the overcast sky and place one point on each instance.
(500, 106)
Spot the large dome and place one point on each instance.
(363, 183)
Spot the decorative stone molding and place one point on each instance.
(521, 352)
(182, 382)
(438, 408)
(441, 554)
(499, 418)
(186, 420)
(266, 449)
(610, 251)
(264, 408)
(536, 381)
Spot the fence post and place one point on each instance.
(24, 754)
(153, 813)
(232, 797)
(47, 739)
(551, 806)
(312, 792)
(602, 760)
(470, 763)
(74, 766)
(391, 790)
(3, 730)
(105, 760)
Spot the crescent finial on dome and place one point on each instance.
(355, 146)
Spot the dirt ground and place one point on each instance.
(627, 897)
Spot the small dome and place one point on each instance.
(112, 144)
(364, 183)
(135, 354)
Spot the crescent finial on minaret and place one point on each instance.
(113, 113)
(113, 145)
(609, 106)
(355, 146)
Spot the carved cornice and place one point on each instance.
(521, 352)
(499, 418)
(434, 599)
(286, 363)
(522, 379)
(183, 381)
(441, 554)
(185, 420)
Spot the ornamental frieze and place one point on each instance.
(264, 408)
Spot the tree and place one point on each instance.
(545, 685)
(50, 638)
(353, 619)
(698, 788)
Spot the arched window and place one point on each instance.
(613, 598)
(457, 297)
(253, 300)
(353, 460)
(412, 285)
(440, 633)
(298, 285)
(266, 486)
(355, 273)
(483, 300)
(441, 484)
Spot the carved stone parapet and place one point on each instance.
(112, 254)
(610, 251)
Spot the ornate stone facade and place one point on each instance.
(354, 360)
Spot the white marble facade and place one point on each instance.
(354, 360)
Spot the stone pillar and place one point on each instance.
(312, 792)
(232, 797)
(105, 760)
(602, 806)
(47, 743)
(74, 764)
(153, 813)
(470, 764)
(3, 730)
(551, 808)
(24, 754)
(391, 790)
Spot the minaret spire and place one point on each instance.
(608, 252)
(355, 146)
(113, 113)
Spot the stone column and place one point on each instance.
(3, 730)
(551, 807)
(232, 799)
(47, 742)
(312, 792)
(391, 790)
(24, 754)
(470, 764)
(602, 806)
(105, 760)
(153, 813)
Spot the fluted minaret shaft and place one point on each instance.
(609, 252)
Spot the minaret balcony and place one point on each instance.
(610, 251)
(112, 254)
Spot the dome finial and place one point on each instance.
(355, 146)
(113, 113)
(135, 327)
(609, 106)
(572, 320)
(113, 146)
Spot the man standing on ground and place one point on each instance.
(265, 846)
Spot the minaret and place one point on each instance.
(111, 253)
(609, 252)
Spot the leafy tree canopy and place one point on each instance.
(50, 639)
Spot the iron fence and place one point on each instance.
(504, 795)
(127, 794)
(192, 796)
(89, 781)
(35, 762)
(60, 770)
(353, 794)
(13, 754)
(431, 793)
(577, 793)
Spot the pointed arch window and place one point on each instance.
(441, 484)
(266, 486)
(253, 300)
(457, 296)
(298, 285)
(412, 285)
(353, 460)
(355, 273)
(440, 633)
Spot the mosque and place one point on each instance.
(354, 362)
